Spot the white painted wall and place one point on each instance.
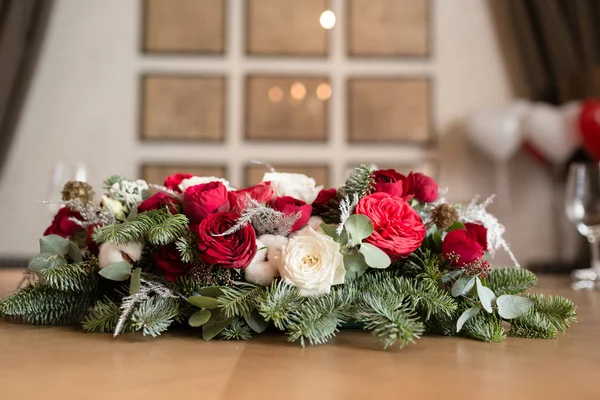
(83, 105)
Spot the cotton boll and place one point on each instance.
(260, 272)
(274, 244)
(110, 253)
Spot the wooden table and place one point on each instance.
(64, 363)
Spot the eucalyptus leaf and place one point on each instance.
(211, 291)
(451, 275)
(119, 271)
(199, 318)
(510, 306)
(75, 253)
(374, 256)
(463, 285)
(467, 315)
(204, 302)
(486, 296)
(456, 225)
(355, 265)
(54, 244)
(136, 281)
(46, 261)
(256, 322)
(330, 230)
(359, 227)
(215, 324)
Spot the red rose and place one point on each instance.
(89, 240)
(289, 205)
(465, 246)
(323, 199)
(199, 201)
(159, 201)
(263, 193)
(424, 188)
(392, 182)
(63, 225)
(398, 229)
(172, 182)
(235, 250)
(169, 262)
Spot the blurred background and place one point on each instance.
(145, 88)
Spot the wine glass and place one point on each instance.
(62, 172)
(582, 202)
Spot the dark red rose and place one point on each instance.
(323, 199)
(159, 201)
(235, 250)
(465, 246)
(200, 201)
(63, 225)
(289, 205)
(172, 182)
(397, 228)
(169, 262)
(392, 182)
(89, 240)
(263, 193)
(424, 188)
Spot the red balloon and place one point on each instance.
(589, 126)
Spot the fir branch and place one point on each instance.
(426, 297)
(134, 230)
(236, 330)
(510, 280)
(278, 304)
(359, 182)
(240, 300)
(103, 317)
(559, 311)
(80, 277)
(441, 324)
(155, 314)
(168, 231)
(532, 325)
(187, 245)
(485, 327)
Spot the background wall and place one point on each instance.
(84, 98)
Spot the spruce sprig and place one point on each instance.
(510, 281)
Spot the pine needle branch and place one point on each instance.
(240, 300)
(168, 231)
(278, 304)
(81, 277)
(104, 317)
(359, 182)
(559, 311)
(510, 281)
(236, 330)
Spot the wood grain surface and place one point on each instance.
(63, 363)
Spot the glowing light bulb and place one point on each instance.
(275, 94)
(298, 91)
(323, 91)
(327, 19)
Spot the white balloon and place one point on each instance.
(497, 131)
(553, 130)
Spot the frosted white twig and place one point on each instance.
(347, 207)
(147, 289)
(269, 166)
(91, 214)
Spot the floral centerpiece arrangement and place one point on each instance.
(385, 252)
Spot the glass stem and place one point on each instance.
(594, 252)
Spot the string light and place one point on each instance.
(327, 19)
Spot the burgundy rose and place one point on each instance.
(289, 205)
(465, 246)
(424, 188)
(263, 193)
(200, 201)
(159, 201)
(172, 182)
(92, 246)
(235, 250)
(63, 225)
(169, 262)
(392, 182)
(323, 199)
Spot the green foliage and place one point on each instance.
(278, 304)
(241, 300)
(425, 265)
(187, 245)
(80, 277)
(236, 330)
(104, 317)
(532, 325)
(510, 281)
(40, 304)
(511, 306)
(485, 327)
(154, 315)
(359, 181)
(119, 271)
(157, 227)
(560, 312)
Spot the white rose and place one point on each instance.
(298, 186)
(115, 206)
(260, 270)
(111, 253)
(199, 180)
(312, 262)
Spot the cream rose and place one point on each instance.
(111, 253)
(198, 180)
(298, 186)
(312, 262)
